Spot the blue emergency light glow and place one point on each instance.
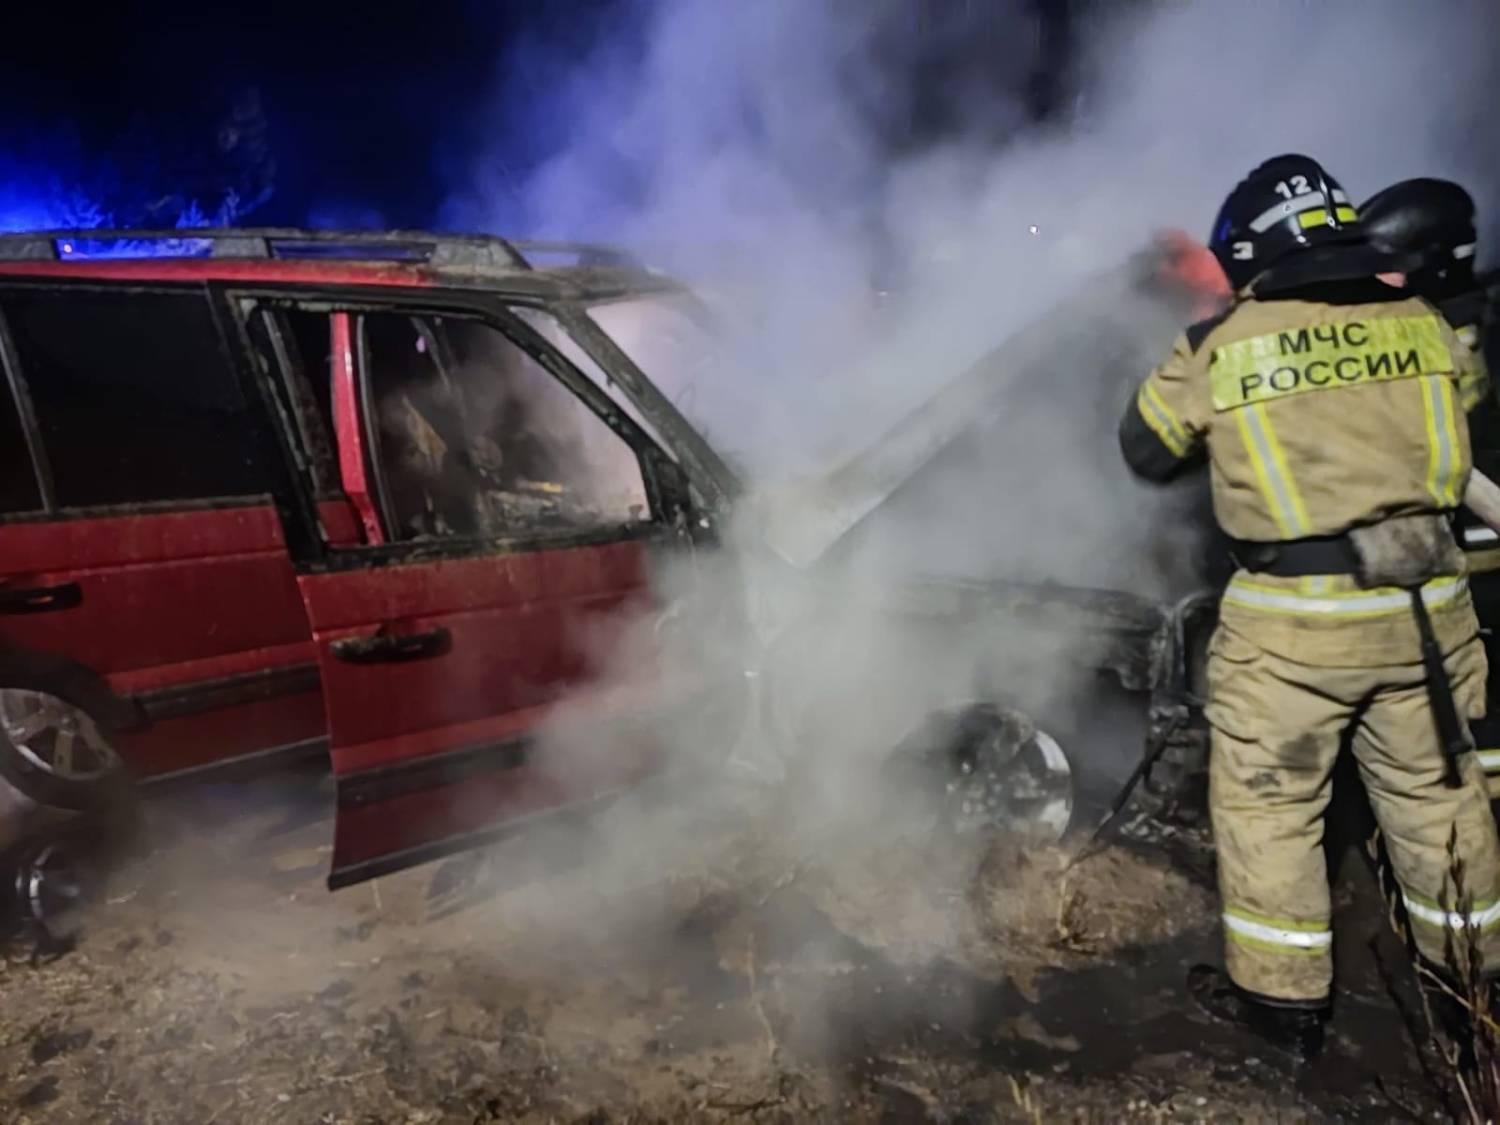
(79, 249)
(21, 212)
(34, 199)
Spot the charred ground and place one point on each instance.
(740, 977)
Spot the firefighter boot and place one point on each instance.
(1293, 1030)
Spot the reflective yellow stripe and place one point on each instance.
(1288, 601)
(1442, 440)
(1472, 386)
(1433, 441)
(1277, 487)
(1251, 941)
(1489, 759)
(1455, 449)
(1318, 217)
(1433, 904)
(1162, 421)
(1482, 916)
(1278, 455)
(1276, 936)
(1272, 920)
(1262, 464)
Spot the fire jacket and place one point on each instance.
(1320, 409)
(1467, 313)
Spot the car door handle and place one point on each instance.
(40, 599)
(389, 648)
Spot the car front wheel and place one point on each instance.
(999, 771)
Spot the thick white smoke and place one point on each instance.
(751, 141)
(859, 267)
(750, 148)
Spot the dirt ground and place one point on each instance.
(728, 976)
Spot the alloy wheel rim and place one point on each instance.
(55, 737)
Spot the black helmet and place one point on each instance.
(1430, 219)
(1288, 204)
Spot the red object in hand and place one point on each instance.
(1192, 267)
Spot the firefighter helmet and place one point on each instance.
(1287, 204)
(1430, 219)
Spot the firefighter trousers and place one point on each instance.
(1278, 726)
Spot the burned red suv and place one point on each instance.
(387, 498)
(273, 493)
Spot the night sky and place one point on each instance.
(318, 113)
(347, 112)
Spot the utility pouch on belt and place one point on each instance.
(1405, 551)
(1410, 551)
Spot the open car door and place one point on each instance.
(505, 513)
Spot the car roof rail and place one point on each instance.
(576, 253)
(440, 250)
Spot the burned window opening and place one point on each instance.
(473, 436)
(546, 325)
(670, 335)
(707, 467)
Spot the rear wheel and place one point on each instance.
(54, 880)
(54, 752)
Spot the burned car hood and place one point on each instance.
(1013, 468)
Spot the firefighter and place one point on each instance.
(1434, 220)
(1326, 402)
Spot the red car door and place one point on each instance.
(154, 542)
(507, 529)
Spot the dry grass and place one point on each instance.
(1468, 1046)
(1112, 901)
(701, 990)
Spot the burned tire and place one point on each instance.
(54, 753)
(1001, 772)
(53, 879)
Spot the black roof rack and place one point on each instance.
(438, 250)
(576, 253)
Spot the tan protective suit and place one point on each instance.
(1318, 418)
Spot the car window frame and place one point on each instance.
(320, 465)
(269, 454)
(19, 395)
(707, 470)
(664, 492)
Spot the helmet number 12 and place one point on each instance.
(1298, 185)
